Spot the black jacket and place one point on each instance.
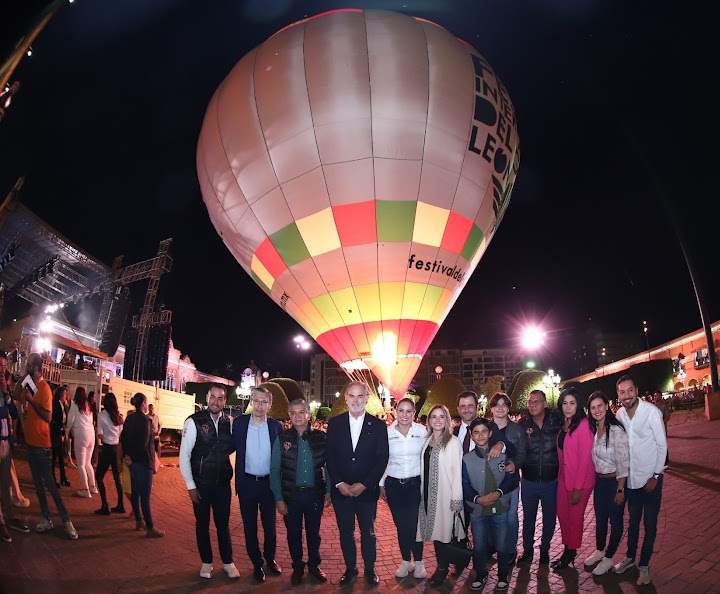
(541, 458)
(288, 442)
(210, 458)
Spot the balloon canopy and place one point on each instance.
(357, 165)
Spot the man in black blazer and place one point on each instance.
(254, 435)
(357, 455)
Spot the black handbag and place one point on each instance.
(458, 551)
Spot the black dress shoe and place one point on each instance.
(526, 558)
(296, 577)
(348, 576)
(544, 558)
(318, 574)
(259, 574)
(274, 568)
(372, 578)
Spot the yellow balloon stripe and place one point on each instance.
(319, 232)
(376, 302)
(263, 273)
(430, 224)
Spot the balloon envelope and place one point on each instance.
(357, 165)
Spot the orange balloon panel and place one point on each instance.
(357, 165)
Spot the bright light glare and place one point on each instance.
(533, 338)
(384, 349)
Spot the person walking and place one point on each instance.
(37, 437)
(357, 458)
(576, 477)
(612, 464)
(301, 485)
(110, 424)
(80, 424)
(136, 440)
(440, 487)
(57, 433)
(647, 444)
(206, 468)
(400, 485)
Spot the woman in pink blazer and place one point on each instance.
(576, 478)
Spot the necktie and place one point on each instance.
(466, 441)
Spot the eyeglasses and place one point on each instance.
(535, 402)
(259, 402)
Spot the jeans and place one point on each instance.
(108, 458)
(346, 509)
(639, 503)
(56, 439)
(513, 523)
(307, 505)
(484, 528)
(533, 493)
(40, 461)
(404, 502)
(607, 510)
(216, 498)
(141, 478)
(254, 494)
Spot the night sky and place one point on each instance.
(616, 111)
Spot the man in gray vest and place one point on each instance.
(205, 466)
(299, 481)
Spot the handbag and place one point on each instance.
(458, 551)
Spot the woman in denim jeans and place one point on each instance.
(612, 463)
(139, 454)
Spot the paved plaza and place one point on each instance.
(110, 556)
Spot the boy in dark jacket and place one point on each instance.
(486, 488)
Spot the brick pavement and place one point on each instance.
(110, 557)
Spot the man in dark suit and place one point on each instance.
(254, 435)
(357, 455)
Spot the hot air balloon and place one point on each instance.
(357, 165)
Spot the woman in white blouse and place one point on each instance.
(109, 426)
(80, 422)
(400, 485)
(612, 462)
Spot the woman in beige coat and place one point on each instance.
(441, 487)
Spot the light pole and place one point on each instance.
(552, 381)
(303, 345)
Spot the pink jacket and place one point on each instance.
(577, 470)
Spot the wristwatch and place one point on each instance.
(656, 476)
(621, 490)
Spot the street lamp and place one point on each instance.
(438, 372)
(552, 381)
(302, 344)
(533, 338)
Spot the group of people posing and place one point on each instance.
(437, 481)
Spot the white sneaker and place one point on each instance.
(624, 564)
(84, 493)
(405, 568)
(70, 529)
(44, 525)
(205, 571)
(231, 570)
(420, 572)
(595, 557)
(644, 577)
(603, 567)
(94, 490)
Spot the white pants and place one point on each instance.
(83, 444)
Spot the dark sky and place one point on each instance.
(616, 106)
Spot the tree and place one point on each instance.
(443, 391)
(523, 383)
(291, 387)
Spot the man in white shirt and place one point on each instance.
(205, 466)
(648, 446)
